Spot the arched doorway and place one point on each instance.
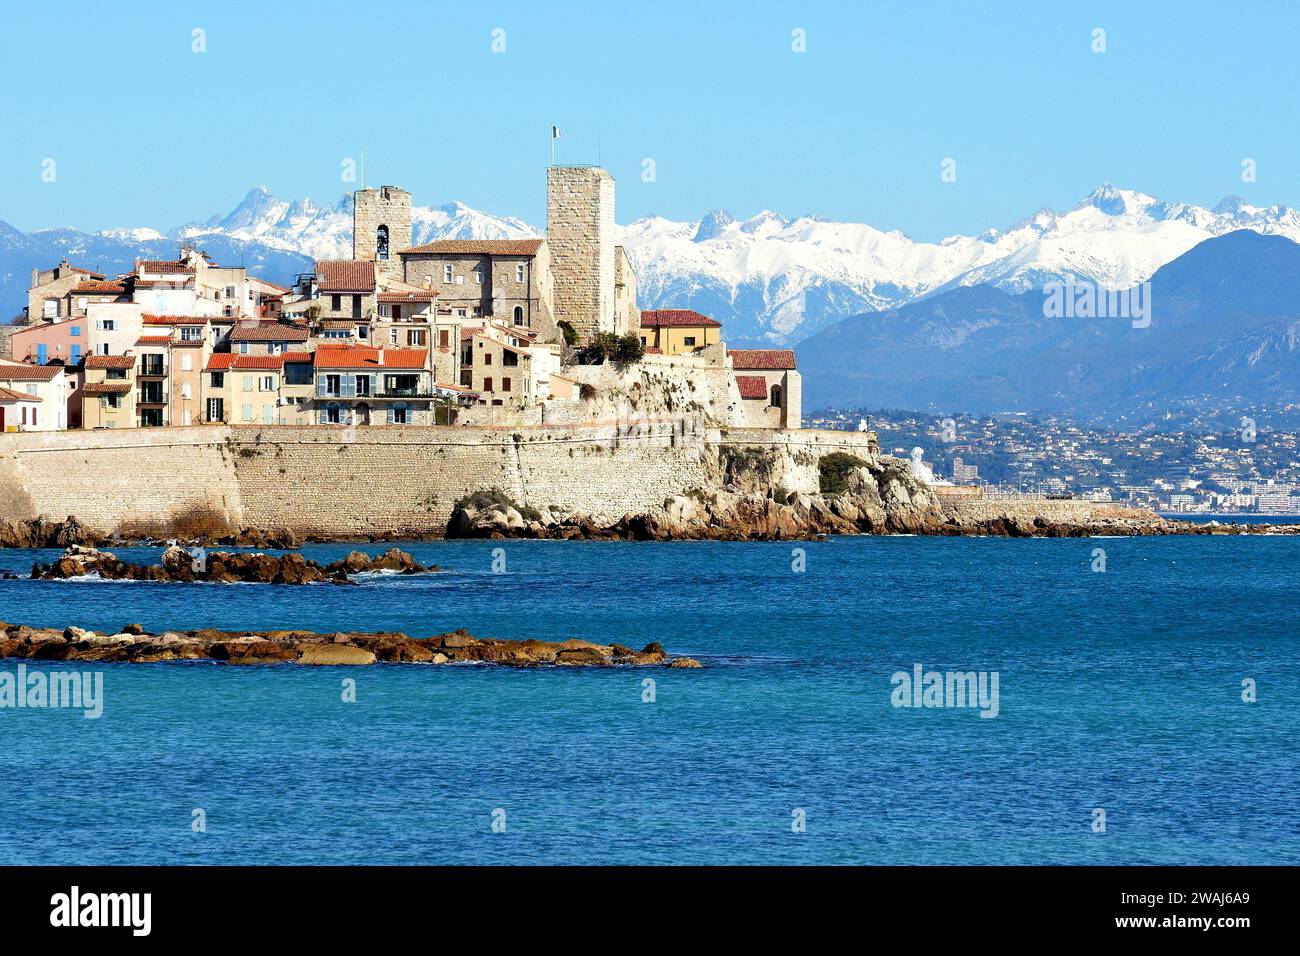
(776, 396)
(363, 414)
(519, 315)
(381, 242)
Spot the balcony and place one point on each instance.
(149, 369)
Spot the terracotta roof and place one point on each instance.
(761, 358)
(106, 388)
(228, 361)
(488, 247)
(148, 319)
(268, 332)
(665, 318)
(86, 272)
(113, 287)
(360, 356)
(161, 266)
(345, 275)
(154, 340)
(273, 285)
(428, 296)
(298, 357)
(110, 361)
(9, 395)
(29, 373)
(752, 386)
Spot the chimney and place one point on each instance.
(380, 359)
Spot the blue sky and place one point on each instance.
(146, 132)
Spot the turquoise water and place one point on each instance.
(1119, 690)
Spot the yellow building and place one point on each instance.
(678, 331)
(108, 393)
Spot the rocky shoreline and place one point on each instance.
(134, 645)
(198, 565)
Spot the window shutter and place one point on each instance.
(390, 414)
(324, 417)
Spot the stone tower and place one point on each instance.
(381, 226)
(580, 236)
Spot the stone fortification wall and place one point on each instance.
(326, 481)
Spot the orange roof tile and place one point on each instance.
(9, 395)
(360, 356)
(29, 373)
(110, 361)
(752, 386)
(755, 359)
(345, 275)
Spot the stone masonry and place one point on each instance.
(372, 208)
(580, 234)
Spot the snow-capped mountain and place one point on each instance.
(326, 233)
(767, 278)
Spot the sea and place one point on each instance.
(1146, 711)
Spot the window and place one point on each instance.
(297, 373)
(363, 331)
(392, 336)
(444, 339)
(106, 325)
(76, 354)
(247, 413)
(75, 331)
(333, 384)
(187, 362)
(216, 409)
(248, 383)
(363, 386)
(397, 312)
(478, 274)
(333, 416)
(115, 374)
(415, 337)
(688, 340)
(461, 313)
(102, 348)
(447, 276)
(519, 315)
(487, 356)
(243, 348)
(111, 401)
(356, 307)
(218, 380)
(81, 304)
(30, 389)
(509, 359)
(505, 385)
(336, 303)
(185, 390)
(191, 333)
(50, 309)
(42, 354)
(519, 272)
(268, 414)
(230, 292)
(185, 417)
(381, 242)
(399, 414)
(776, 396)
(268, 383)
(487, 384)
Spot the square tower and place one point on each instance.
(381, 226)
(580, 235)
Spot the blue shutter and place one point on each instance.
(390, 414)
(324, 416)
(76, 354)
(42, 354)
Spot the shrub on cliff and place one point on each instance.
(568, 331)
(833, 471)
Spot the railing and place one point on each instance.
(153, 369)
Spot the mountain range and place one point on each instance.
(768, 279)
(1223, 334)
(948, 323)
